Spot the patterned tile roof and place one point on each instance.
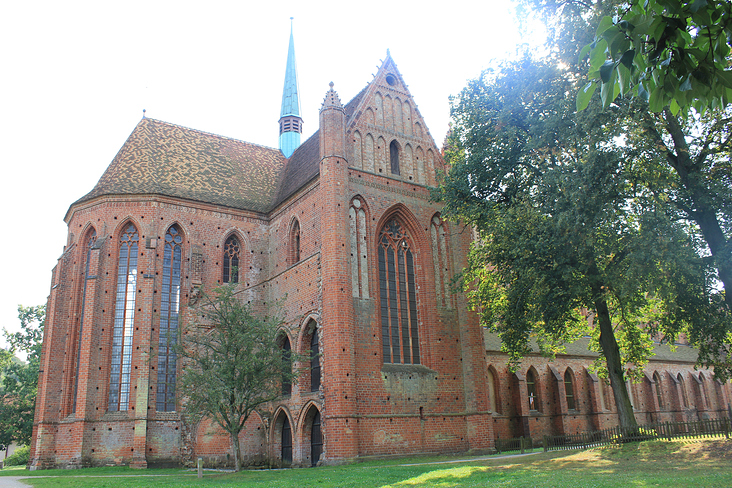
(160, 158)
(302, 166)
(167, 159)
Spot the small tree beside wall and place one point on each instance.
(232, 362)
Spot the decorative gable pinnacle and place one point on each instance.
(332, 100)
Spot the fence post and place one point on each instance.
(545, 443)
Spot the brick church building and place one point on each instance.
(342, 225)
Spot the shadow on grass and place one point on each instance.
(651, 463)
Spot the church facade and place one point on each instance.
(342, 225)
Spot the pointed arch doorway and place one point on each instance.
(316, 440)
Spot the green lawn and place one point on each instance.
(691, 464)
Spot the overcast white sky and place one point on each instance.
(75, 77)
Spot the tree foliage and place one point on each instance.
(671, 53)
(232, 362)
(20, 380)
(574, 220)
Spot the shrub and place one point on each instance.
(19, 457)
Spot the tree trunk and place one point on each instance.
(237, 450)
(703, 214)
(611, 351)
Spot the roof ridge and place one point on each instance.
(213, 134)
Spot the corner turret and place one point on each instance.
(332, 126)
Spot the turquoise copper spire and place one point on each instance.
(290, 120)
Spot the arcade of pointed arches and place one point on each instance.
(677, 396)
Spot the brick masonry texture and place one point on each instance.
(460, 397)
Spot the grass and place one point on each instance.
(645, 464)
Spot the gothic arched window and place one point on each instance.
(88, 243)
(286, 365)
(631, 396)
(532, 390)
(286, 440)
(316, 440)
(295, 243)
(314, 361)
(569, 389)
(394, 157)
(440, 261)
(359, 252)
(231, 260)
(398, 290)
(124, 318)
(659, 389)
(169, 310)
(682, 387)
(492, 390)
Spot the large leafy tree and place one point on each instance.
(682, 156)
(567, 218)
(672, 53)
(20, 379)
(233, 362)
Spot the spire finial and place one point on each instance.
(331, 85)
(387, 52)
(143, 113)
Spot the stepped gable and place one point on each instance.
(160, 158)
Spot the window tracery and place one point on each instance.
(124, 318)
(231, 260)
(169, 312)
(397, 287)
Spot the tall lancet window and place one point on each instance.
(294, 256)
(169, 310)
(89, 242)
(359, 253)
(314, 360)
(398, 290)
(440, 261)
(231, 260)
(124, 318)
(394, 157)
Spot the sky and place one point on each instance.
(76, 76)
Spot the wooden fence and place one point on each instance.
(666, 430)
(515, 444)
